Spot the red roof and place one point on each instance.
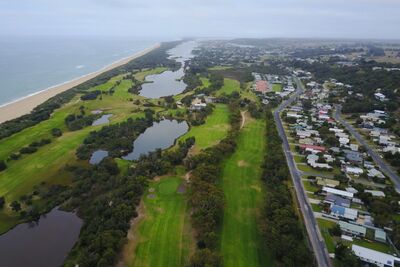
(319, 148)
(261, 86)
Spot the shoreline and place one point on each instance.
(26, 104)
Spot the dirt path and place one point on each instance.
(243, 113)
(130, 246)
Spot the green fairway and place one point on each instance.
(162, 237)
(229, 87)
(241, 244)
(211, 132)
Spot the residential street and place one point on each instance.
(317, 242)
(378, 160)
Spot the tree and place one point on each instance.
(2, 202)
(3, 165)
(345, 256)
(15, 206)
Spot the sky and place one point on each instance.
(378, 19)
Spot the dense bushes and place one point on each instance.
(3, 165)
(91, 95)
(117, 139)
(78, 122)
(281, 228)
(206, 198)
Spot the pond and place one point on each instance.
(102, 120)
(98, 156)
(41, 244)
(169, 82)
(161, 135)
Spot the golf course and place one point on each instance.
(162, 229)
(241, 183)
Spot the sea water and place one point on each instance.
(31, 64)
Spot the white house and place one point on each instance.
(380, 96)
(354, 170)
(375, 257)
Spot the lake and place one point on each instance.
(98, 156)
(102, 120)
(43, 244)
(169, 82)
(161, 135)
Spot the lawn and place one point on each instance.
(162, 237)
(229, 87)
(212, 131)
(309, 187)
(316, 207)
(241, 243)
(374, 245)
(324, 226)
(277, 87)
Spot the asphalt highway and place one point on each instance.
(315, 238)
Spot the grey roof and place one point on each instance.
(337, 200)
(352, 227)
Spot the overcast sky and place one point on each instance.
(224, 18)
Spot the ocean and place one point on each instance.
(31, 64)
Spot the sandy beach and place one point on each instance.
(25, 105)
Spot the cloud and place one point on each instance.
(257, 18)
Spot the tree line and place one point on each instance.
(206, 197)
(281, 227)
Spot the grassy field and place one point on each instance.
(211, 132)
(276, 87)
(241, 243)
(162, 237)
(229, 87)
(324, 226)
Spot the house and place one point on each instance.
(338, 192)
(384, 140)
(316, 148)
(344, 140)
(262, 86)
(344, 213)
(380, 235)
(352, 229)
(337, 200)
(375, 257)
(380, 96)
(293, 115)
(353, 156)
(198, 106)
(327, 182)
(353, 170)
(375, 193)
(375, 173)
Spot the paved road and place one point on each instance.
(317, 242)
(377, 159)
